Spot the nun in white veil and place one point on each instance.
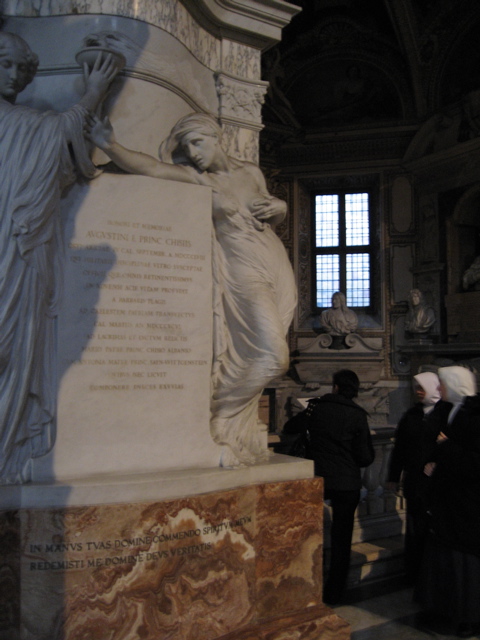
(415, 447)
(449, 584)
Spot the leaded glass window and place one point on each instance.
(343, 248)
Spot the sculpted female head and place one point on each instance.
(196, 123)
(196, 136)
(18, 65)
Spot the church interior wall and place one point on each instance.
(380, 115)
(420, 144)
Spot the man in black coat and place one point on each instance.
(340, 445)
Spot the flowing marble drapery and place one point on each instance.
(36, 165)
(254, 291)
(254, 301)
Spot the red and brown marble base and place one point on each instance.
(243, 564)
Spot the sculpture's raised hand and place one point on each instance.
(102, 73)
(97, 80)
(100, 132)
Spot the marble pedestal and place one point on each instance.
(243, 563)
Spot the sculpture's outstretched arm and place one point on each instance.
(101, 133)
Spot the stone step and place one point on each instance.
(374, 561)
(380, 559)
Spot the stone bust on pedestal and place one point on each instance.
(420, 317)
(339, 320)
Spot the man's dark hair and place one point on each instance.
(347, 382)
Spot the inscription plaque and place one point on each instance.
(134, 330)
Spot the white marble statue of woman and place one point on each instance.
(339, 320)
(254, 289)
(420, 317)
(39, 151)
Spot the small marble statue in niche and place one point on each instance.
(254, 288)
(471, 277)
(420, 317)
(41, 151)
(339, 320)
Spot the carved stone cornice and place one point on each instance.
(257, 23)
(354, 148)
(322, 182)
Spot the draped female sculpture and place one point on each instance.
(254, 290)
(36, 164)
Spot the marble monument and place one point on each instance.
(251, 310)
(129, 527)
(254, 293)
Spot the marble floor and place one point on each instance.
(390, 615)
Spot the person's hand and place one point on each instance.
(99, 77)
(429, 468)
(100, 132)
(441, 437)
(269, 209)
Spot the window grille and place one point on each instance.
(343, 248)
